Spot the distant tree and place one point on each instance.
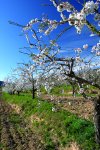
(14, 84)
(27, 71)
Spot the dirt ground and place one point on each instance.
(79, 106)
(14, 134)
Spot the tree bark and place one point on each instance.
(73, 87)
(97, 120)
(0, 91)
(33, 91)
(18, 92)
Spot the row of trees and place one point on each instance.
(45, 53)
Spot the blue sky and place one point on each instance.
(22, 11)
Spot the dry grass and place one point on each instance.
(73, 146)
(16, 108)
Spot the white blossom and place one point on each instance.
(81, 91)
(90, 7)
(92, 34)
(78, 20)
(54, 109)
(97, 16)
(85, 46)
(65, 6)
(96, 49)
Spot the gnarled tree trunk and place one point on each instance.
(97, 119)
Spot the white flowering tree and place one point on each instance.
(46, 53)
(9, 85)
(28, 72)
(14, 84)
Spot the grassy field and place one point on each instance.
(56, 128)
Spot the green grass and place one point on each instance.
(14, 118)
(65, 90)
(62, 89)
(55, 128)
(3, 147)
(57, 90)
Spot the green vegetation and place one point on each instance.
(61, 90)
(66, 90)
(15, 119)
(1, 146)
(58, 128)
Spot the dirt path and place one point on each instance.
(14, 133)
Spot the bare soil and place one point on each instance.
(79, 106)
(16, 135)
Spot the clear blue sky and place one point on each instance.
(22, 11)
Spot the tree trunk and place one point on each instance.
(18, 92)
(33, 91)
(97, 120)
(73, 87)
(13, 92)
(0, 91)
